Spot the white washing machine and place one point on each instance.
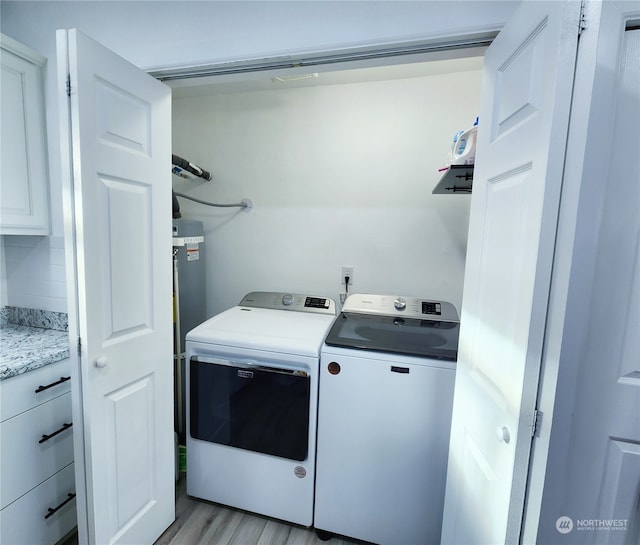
(252, 387)
(387, 373)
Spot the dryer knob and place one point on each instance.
(400, 304)
(287, 299)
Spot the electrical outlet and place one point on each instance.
(347, 271)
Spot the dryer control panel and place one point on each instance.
(289, 301)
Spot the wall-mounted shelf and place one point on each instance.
(458, 179)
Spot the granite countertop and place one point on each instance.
(30, 339)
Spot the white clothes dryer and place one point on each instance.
(252, 388)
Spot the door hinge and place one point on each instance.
(582, 23)
(68, 85)
(79, 347)
(536, 422)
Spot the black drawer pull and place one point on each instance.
(47, 437)
(43, 388)
(396, 369)
(52, 510)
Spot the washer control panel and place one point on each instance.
(411, 307)
(289, 301)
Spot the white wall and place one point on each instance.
(173, 33)
(182, 32)
(338, 175)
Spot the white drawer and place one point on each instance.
(24, 522)
(26, 461)
(18, 394)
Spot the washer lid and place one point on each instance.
(411, 336)
(281, 331)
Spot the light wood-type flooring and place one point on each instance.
(200, 522)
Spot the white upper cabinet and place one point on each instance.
(24, 199)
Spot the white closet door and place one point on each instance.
(118, 215)
(605, 442)
(526, 97)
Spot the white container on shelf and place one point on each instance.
(464, 148)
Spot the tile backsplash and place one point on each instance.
(33, 272)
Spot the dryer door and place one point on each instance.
(255, 407)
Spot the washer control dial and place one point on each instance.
(400, 303)
(287, 299)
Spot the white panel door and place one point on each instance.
(526, 96)
(606, 435)
(118, 215)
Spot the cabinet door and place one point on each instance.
(24, 196)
